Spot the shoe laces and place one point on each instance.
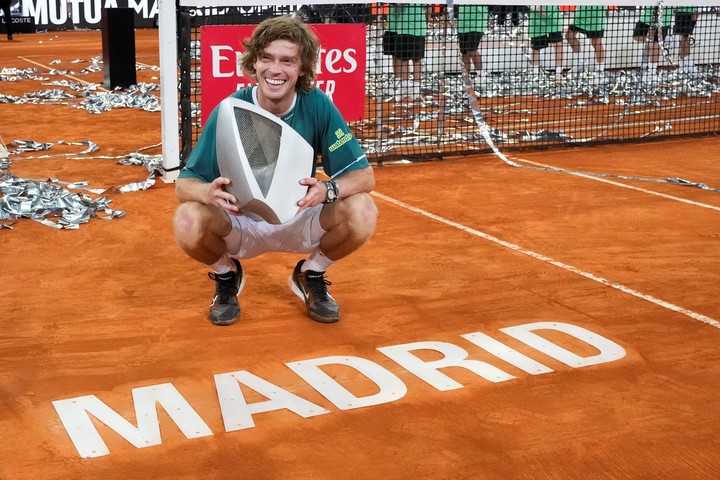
(224, 287)
(317, 283)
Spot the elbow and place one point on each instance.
(181, 189)
(178, 191)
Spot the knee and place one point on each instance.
(360, 213)
(191, 222)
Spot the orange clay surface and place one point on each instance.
(467, 245)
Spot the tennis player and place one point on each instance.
(335, 218)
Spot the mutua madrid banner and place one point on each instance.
(86, 14)
(69, 14)
(340, 69)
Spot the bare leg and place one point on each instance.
(684, 46)
(349, 224)
(401, 69)
(654, 54)
(599, 48)
(558, 57)
(573, 41)
(466, 62)
(417, 69)
(477, 60)
(200, 230)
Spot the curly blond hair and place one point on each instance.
(284, 28)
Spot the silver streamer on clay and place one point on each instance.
(135, 96)
(56, 203)
(49, 202)
(61, 204)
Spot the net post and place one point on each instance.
(167, 31)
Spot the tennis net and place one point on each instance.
(420, 80)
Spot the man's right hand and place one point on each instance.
(216, 195)
(190, 189)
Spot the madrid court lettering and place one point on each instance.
(238, 413)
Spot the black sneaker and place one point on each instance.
(311, 287)
(225, 309)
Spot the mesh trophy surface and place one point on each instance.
(265, 159)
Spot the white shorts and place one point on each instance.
(302, 234)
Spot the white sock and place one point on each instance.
(223, 265)
(317, 262)
(558, 70)
(600, 67)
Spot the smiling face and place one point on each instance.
(277, 70)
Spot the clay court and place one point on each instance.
(503, 323)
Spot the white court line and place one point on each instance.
(65, 75)
(572, 122)
(543, 258)
(623, 185)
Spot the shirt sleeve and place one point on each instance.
(202, 163)
(341, 151)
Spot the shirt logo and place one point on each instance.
(342, 139)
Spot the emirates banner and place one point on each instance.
(340, 69)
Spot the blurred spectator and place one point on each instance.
(685, 20)
(649, 30)
(5, 7)
(404, 40)
(472, 21)
(545, 28)
(590, 21)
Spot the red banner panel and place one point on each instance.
(340, 69)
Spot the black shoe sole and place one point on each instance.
(224, 323)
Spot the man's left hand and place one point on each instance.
(315, 194)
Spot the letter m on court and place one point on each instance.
(75, 416)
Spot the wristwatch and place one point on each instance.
(332, 192)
